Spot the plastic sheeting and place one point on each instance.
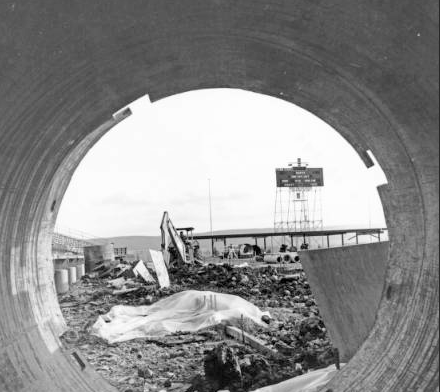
(188, 311)
(309, 382)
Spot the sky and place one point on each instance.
(162, 157)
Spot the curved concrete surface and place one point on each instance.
(347, 284)
(368, 68)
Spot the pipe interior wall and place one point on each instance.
(368, 68)
(347, 284)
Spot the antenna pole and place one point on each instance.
(210, 216)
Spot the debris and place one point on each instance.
(117, 283)
(145, 372)
(125, 291)
(68, 304)
(160, 267)
(179, 356)
(143, 272)
(71, 336)
(222, 366)
(171, 341)
(247, 338)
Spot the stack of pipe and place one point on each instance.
(276, 258)
(66, 277)
(291, 257)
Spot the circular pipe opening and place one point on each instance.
(377, 85)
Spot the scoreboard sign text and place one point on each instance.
(299, 177)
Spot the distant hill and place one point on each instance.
(139, 242)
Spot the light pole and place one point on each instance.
(210, 217)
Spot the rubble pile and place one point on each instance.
(265, 287)
(295, 339)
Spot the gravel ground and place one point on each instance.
(178, 363)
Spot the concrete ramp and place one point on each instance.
(347, 283)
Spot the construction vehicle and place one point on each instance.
(178, 248)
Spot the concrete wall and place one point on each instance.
(368, 68)
(347, 284)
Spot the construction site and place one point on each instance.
(298, 307)
(206, 313)
(242, 320)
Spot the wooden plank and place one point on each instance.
(252, 341)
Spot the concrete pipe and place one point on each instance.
(367, 68)
(72, 275)
(62, 281)
(97, 253)
(80, 271)
(273, 258)
(291, 257)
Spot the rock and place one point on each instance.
(149, 388)
(222, 365)
(71, 336)
(145, 372)
(285, 349)
(255, 364)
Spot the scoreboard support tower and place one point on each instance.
(298, 200)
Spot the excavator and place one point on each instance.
(178, 248)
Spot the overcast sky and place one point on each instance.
(162, 156)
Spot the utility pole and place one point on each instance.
(210, 217)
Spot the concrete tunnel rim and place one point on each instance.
(34, 237)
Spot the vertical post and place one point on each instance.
(328, 241)
(291, 241)
(337, 359)
(242, 329)
(264, 242)
(210, 217)
(378, 236)
(357, 238)
(256, 244)
(342, 239)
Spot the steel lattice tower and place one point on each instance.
(298, 203)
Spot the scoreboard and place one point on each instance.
(299, 177)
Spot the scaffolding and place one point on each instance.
(298, 200)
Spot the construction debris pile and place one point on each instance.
(265, 286)
(240, 356)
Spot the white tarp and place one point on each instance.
(309, 382)
(188, 311)
(161, 270)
